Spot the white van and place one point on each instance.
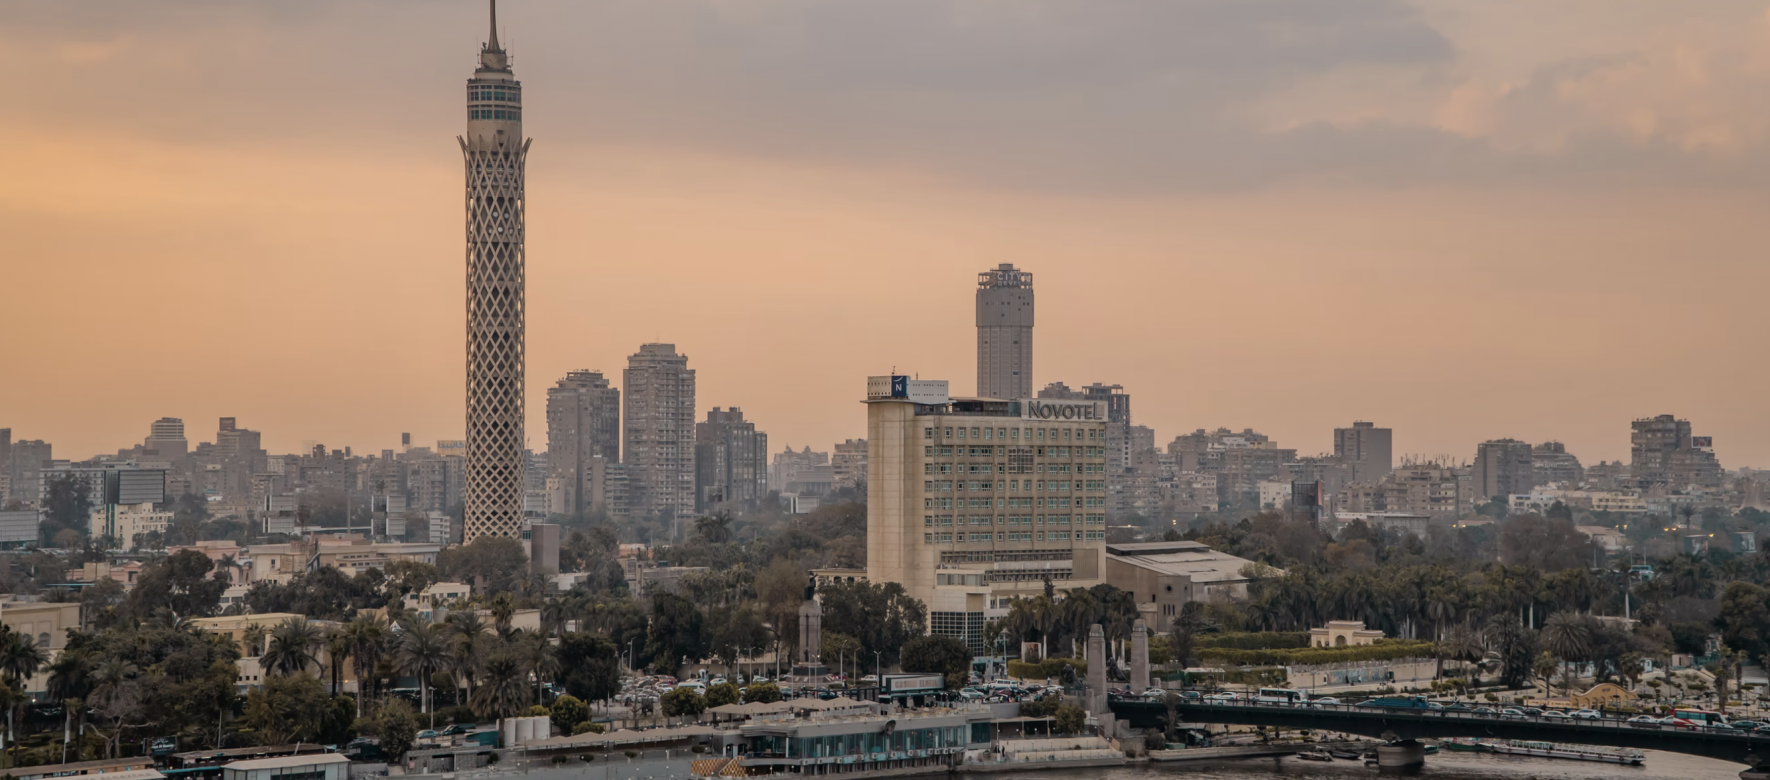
(1284, 696)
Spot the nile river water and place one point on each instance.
(1443, 766)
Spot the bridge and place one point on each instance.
(1725, 744)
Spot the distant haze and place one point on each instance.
(1462, 219)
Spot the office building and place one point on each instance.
(802, 472)
(1503, 467)
(658, 432)
(1366, 450)
(583, 423)
(495, 158)
(1004, 333)
(1554, 465)
(964, 495)
(166, 440)
(730, 460)
(848, 465)
(6, 452)
(29, 458)
(1665, 454)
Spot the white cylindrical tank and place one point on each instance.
(525, 730)
(543, 727)
(507, 728)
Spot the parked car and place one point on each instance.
(1513, 712)
(1458, 707)
(1325, 701)
(1556, 715)
(1587, 714)
(1643, 720)
(428, 734)
(1220, 697)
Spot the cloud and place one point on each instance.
(1075, 97)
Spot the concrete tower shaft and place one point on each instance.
(1004, 333)
(494, 154)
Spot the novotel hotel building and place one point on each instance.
(972, 501)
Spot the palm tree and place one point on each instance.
(19, 660)
(505, 691)
(292, 647)
(108, 688)
(70, 682)
(466, 640)
(538, 658)
(338, 647)
(253, 638)
(1461, 644)
(1567, 637)
(366, 635)
(503, 609)
(423, 651)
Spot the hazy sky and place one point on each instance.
(1463, 219)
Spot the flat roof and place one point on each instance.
(305, 759)
(1202, 564)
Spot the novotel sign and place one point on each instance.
(1039, 409)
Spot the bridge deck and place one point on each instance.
(1724, 744)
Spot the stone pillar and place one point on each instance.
(1096, 670)
(1406, 754)
(1139, 657)
(811, 629)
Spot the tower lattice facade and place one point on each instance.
(494, 152)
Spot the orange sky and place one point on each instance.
(1461, 220)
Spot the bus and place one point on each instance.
(1698, 718)
(1283, 696)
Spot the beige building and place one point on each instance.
(128, 521)
(46, 623)
(965, 496)
(438, 596)
(1343, 633)
(1164, 575)
(352, 554)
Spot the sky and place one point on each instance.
(1461, 219)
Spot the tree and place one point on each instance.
(490, 562)
(1744, 618)
(676, 634)
(567, 712)
(504, 692)
(683, 702)
(1514, 646)
(292, 648)
(882, 616)
(423, 651)
(395, 725)
(944, 655)
(1188, 624)
(781, 589)
(1567, 637)
(590, 666)
(762, 693)
(67, 506)
(286, 709)
(722, 694)
(714, 528)
(367, 637)
(1070, 719)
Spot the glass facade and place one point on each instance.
(874, 743)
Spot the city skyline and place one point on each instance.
(1576, 265)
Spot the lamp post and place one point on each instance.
(878, 672)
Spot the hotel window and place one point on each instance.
(927, 433)
(961, 433)
(949, 433)
(973, 433)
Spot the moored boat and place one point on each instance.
(1465, 745)
(1607, 755)
(1314, 755)
(1349, 755)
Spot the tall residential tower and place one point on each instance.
(494, 152)
(1004, 333)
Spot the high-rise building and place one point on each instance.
(730, 460)
(1554, 465)
(848, 465)
(1366, 450)
(1503, 467)
(1652, 442)
(968, 495)
(583, 423)
(5, 452)
(657, 432)
(166, 439)
(495, 157)
(29, 458)
(1004, 333)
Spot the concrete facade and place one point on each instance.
(658, 432)
(583, 423)
(495, 157)
(1004, 333)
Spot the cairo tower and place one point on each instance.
(494, 152)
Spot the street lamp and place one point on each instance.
(878, 673)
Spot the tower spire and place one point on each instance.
(493, 40)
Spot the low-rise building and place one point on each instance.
(125, 524)
(45, 623)
(1343, 633)
(1169, 574)
(437, 596)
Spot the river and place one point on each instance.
(1442, 766)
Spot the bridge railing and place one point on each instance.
(1619, 724)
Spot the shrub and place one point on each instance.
(1253, 640)
(1040, 708)
(1153, 740)
(568, 711)
(1071, 719)
(586, 727)
(1315, 656)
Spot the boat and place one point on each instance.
(1314, 755)
(1607, 755)
(1349, 755)
(1465, 745)
(1430, 750)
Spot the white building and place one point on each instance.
(128, 521)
